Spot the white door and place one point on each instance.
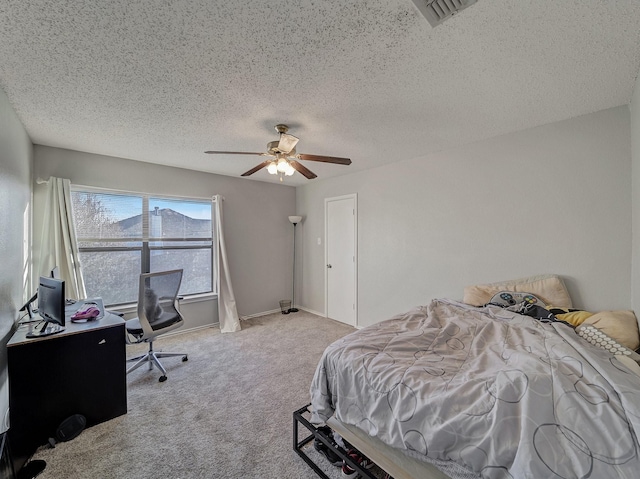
(340, 233)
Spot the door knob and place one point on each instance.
(329, 266)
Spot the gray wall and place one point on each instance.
(635, 155)
(552, 199)
(16, 160)
(257, 231)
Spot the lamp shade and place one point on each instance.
(295, 219)
(282, 164)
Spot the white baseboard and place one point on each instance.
(322, 315)
(312, 311)
(243, 318)
(264, 313)
(257, 315)
(190, 330)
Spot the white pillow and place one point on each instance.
(547, 287)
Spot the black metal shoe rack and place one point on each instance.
(298, 418)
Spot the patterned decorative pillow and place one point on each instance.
(620, 325)
(512, 298)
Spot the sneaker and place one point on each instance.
(328, 452)
(363, 461)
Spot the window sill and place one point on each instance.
(193, 298)
(196, 298)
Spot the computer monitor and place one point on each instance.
(55, 273)
(51, 305)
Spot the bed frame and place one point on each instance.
(389, 459)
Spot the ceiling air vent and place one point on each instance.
(437, 11)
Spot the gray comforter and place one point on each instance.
(496, 392)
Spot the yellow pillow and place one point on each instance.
(574, 317)
(620, 325)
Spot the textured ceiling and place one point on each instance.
(162, 81)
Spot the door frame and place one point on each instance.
(353, 196)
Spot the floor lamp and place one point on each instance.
(294, 220)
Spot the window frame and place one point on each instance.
(145, 239)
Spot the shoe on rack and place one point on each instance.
(328, 452)
(349, 472)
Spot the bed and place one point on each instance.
(484, 390)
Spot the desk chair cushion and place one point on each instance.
(165, 320)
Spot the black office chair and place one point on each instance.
(158, 313)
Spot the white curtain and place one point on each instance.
(227, 311)
(58, 245)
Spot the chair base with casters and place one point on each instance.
(152, 357)
(158, 313)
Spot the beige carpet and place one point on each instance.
(226, 413)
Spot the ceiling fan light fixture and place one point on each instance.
(282, 155)
(282, 165)
(290, 170)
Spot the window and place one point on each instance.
(123, 235)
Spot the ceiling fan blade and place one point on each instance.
(256, 168)
(300, 168)
(234, 153)
(287, 143)
(325, 159)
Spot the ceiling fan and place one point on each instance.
(283, 157)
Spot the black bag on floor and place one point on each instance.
(69, 429)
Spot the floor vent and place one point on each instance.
(437, 11)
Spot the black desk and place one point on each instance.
(78, 371)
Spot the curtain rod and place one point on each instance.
(40, 181)
(118, 191)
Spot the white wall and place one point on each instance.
(635, 158)
(552, 199)
(16, 160)
(257, 231)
